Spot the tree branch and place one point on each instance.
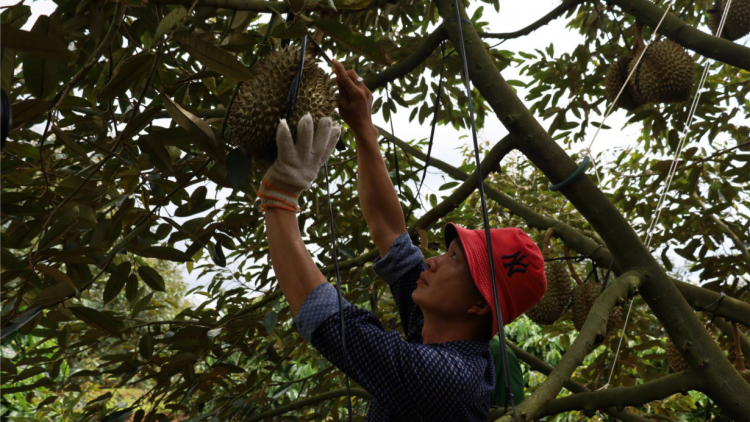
(638, 395)
(356, 392)
(549, 17)
(689, 37)
(538, 365)
(706, 300)
(416, 58)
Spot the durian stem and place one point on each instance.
(739, 358)
(639, 43)
(573, 272)
(547, 239)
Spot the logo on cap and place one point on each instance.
(516, 265)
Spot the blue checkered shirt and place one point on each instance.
(409, 381)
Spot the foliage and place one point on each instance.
(119, 164)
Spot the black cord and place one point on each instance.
(395, 149)
(717, 303)
(341, 296)
(432, 132)
(498, 311)
(604, 29)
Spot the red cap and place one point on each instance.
(519, 268)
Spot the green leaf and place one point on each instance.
(180, 360)
(59, 229)
(152, 278)
(8, 69)
(53, 294)
(198, 197)
(238, 166)
(173, 18)
(354, 41)
(42, 75)
(27, 111)
(146, 346)
(212, 56)
(141, 305)
(201, 132)
(164, 252)
(113, 287)
(58, 275)
(33, 43)
(186, 210)
(270, 320)
(20, 321)
(125, 73)
(131, 288)
(157, 154)
(95, 319)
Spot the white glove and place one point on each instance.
(297, 164)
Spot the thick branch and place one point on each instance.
(356, 392)
(572, 386)
(706, 300)
(638, 395)
(549, 17)
(689, 37)
(721, 381)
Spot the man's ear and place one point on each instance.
(480, 307)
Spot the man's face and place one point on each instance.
(446, 289)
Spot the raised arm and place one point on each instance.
(294, 171)
(377, 195)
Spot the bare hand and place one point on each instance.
(355, 100)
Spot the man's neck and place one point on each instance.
(441, 330)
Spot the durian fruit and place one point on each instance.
(584, 297)
(255, 113)
(675, 360)
(738, 19)
(665, 74)
(617, 74)
(555, 301)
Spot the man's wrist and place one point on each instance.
(365, 132)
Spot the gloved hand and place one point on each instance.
(297, 164)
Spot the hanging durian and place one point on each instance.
(555, 301)
(255, 113)
(584, 297)
(738, 19)
(665, 73)
(617, 74)
(675, 360)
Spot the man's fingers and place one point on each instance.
(284, 141)
(342, 76)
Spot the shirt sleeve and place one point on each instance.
(400, 268)
(320, 304)
(404, 375)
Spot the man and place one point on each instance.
(443, 370)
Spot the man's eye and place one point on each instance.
(454, 256)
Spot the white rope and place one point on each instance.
(670, 178)
(587, 151)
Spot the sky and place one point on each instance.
(513, 15)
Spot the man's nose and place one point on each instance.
(431, 263)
